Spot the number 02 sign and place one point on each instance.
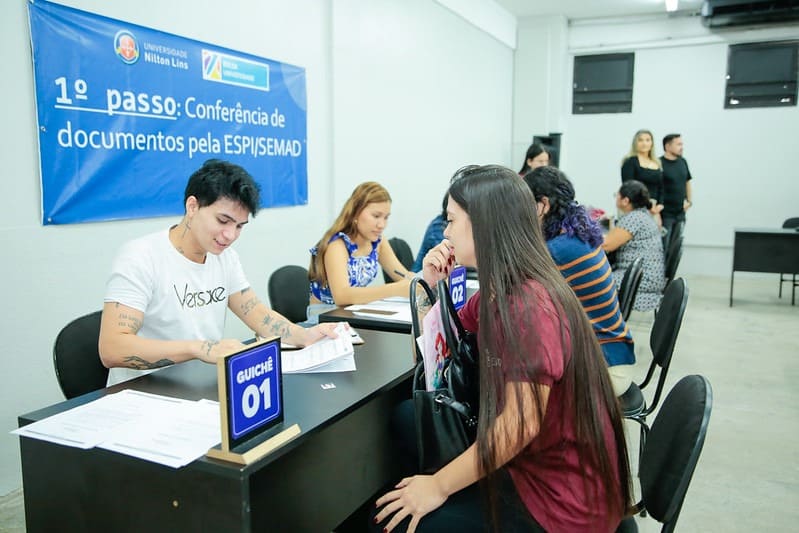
(457, 287)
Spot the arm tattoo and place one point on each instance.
(138, 363)
(208, 346)
(131, 322)
(423, 303)
(250, 304)
(280, 328)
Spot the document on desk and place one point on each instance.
(161, 429)
(398, 310)
(176, 434)
(88, 425)
(325, 355)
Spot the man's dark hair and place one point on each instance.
(221, 179)
(670, 137)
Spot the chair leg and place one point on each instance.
(780, 293)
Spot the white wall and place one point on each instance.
(402, 92)
(739, 158)
(417, 94)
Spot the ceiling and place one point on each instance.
(574, 9)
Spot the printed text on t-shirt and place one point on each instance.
(193, 299)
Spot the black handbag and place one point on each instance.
(446, 418)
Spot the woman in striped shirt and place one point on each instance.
(575, 243)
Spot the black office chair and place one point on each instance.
(669, 458)
(672, 259)
(662, 339)
(76, 357)
(628, 287)
(289, 290)
(403, 253)
(790, 223)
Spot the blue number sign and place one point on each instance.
(254, 390)
(457, 287)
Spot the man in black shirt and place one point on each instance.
(676, 183)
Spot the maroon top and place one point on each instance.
(548, 475)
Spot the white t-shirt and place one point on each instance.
(180, 299)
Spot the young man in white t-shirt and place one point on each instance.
(168, 293)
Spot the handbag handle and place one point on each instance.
(415, 329)
(449, 315)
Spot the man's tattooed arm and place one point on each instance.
(134, 361)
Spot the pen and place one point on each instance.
(400, 274)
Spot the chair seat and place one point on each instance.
(632, 402)
(627, 525)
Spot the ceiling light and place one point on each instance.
(671, 5)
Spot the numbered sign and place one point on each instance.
(253, 391)
(457, 287)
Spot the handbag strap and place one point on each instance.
(448, 315)
(416, 330)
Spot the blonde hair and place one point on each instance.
(369, 192)
(634, 148)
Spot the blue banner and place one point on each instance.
(126, 114)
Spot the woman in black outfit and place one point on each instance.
(641, 164)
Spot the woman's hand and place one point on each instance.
(438, 263)
(415, 496)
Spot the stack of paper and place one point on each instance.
(165, 430)
(326, 355)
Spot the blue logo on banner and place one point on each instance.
(457, 287)
(253, 389)
(126, 47)
(126, 114)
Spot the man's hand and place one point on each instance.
(210, 351)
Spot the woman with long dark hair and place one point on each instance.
(536, 156)
(550, 444)
(575, 242)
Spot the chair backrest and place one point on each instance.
(673, 447)
(403, 252)
(629, 286)
(76, 357)
(790, 223)
(665, 330)
(673, 256)
(289, 290)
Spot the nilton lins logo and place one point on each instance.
(126, 47)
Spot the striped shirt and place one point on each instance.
(588, 273)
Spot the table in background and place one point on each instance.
(341, 314)
(765, 250)
(342, 457)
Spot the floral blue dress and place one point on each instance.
(362, 270)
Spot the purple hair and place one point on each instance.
(565, 215)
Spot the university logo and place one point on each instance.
(126, 47)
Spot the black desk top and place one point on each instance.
(362, 322)
(383, 361)
(774, 231)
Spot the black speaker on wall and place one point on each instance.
(552, 143)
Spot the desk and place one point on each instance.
(343, 456)
(362, 322)
(765, 250)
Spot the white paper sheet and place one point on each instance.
(318, 354)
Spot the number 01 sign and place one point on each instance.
(251, 403)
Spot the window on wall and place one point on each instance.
(603, 84)
(761, 75)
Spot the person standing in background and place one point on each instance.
(642, 165)
(676, 182)
(536, 156)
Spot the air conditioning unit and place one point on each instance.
(728, 13)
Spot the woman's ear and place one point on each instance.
(544, 203)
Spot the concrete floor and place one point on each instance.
(747, 478)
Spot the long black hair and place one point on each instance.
(510, 252)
